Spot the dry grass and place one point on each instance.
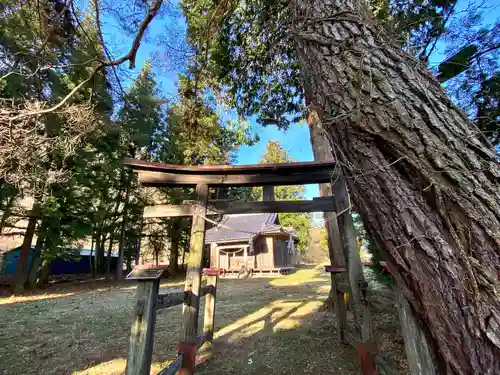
(263, 326)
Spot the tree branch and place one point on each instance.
(44, 68)
(62, 102)
(130, 56)
(98, 22)
(47, 38)
(12, 234)
(103, 45)
(423, 55)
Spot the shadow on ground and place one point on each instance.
(263, 326)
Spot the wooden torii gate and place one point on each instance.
(346, 269)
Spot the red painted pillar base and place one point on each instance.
(366, 361)
(188, 352)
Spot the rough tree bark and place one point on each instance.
(36, 263)
(22, 263)
(425, 181)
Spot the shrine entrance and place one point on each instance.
(345, 268)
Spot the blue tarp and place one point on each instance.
(80, 264)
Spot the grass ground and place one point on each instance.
(263, 327)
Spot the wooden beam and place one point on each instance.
(226, 208)
(268, 193)
(212, 271)
(322, 150)
(166, 179)
(173, 299)
(174, 367)
(336, 254)
(336, 269)
(384, 367)
(235, 246)
(142, 333)
(276, 168)
(360, 307)
(209, 319)
(169, 210)
(169, 300)
(417, 348)
(213, 253)
(191, 306)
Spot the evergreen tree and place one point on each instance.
(55, 110)
(196, 135)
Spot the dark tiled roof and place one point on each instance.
(244, 226)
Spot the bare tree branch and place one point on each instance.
(103, 45)
(131, 55)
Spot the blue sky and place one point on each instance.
(490, 13)
(295, 140)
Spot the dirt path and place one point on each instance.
(263, 326)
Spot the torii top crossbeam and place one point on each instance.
(170, 175)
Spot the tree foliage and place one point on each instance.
(247, 50)
(71, 131)
(299, 222)
(253, 68)
(474, 48)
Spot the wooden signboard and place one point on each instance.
(148, 273)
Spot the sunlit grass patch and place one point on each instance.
(87, 332)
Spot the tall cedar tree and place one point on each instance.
(41, 167)
(195, 134)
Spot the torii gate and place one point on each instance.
(344, 254)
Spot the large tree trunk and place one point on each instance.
(425, 182)
(121, 247)
(420, 362)
(36, 263)
(108, 257)
(175, 234)
(22, 263)
(99, 253)
(91, 257)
